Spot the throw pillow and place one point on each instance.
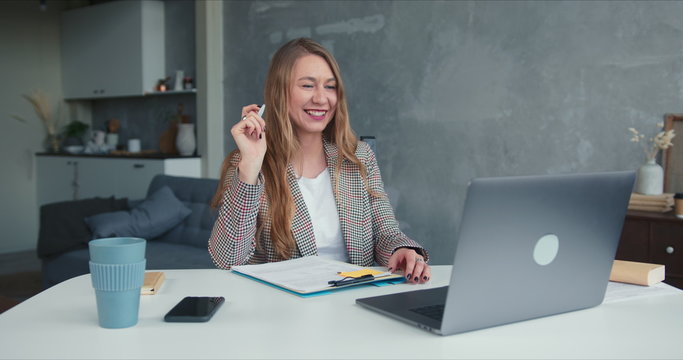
(157, 214)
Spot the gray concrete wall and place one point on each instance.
(455, 90)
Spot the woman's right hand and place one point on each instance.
(250, 136)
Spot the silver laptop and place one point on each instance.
(528, 247)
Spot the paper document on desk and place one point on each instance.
(303, 275)
(617, 291)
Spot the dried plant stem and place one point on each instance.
(41, 105)
(661, 141)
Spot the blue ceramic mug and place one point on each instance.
(117, 268)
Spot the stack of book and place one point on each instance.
(655, 203)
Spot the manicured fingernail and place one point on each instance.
(390, 269)
(408, 276)
(260, 136)
(417, 278)
(425, 278)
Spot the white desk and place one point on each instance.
(258, 321)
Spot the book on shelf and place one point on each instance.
(654, 203)
(651, 208)
(650, 203)
(666, 198)
(645, 202)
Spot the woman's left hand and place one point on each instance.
(413, 265)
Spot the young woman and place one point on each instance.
(300, 183)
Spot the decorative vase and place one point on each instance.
(167, 139)
(650, 179)
(179, 75)
(51, 143)
(185, 142)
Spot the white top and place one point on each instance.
(260, 321)
(322, 208)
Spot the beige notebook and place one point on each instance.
(153, 281)
(637, 272)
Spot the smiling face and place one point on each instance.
(312, 95)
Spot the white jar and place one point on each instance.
(185, 142)
(134, 145)
(112, 141)
(650, 180)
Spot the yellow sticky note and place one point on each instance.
(359, 273)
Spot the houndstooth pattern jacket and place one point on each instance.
(368, 226)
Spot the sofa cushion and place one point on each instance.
(158, 213)
(62, 227)
(196, 194)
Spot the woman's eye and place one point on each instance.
(331, 87)
(307, 86)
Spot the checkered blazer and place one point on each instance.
(368, 226)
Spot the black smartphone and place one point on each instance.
(194, 309)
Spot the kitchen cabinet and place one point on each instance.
(112, 49)
(62, 178)
(654, 238)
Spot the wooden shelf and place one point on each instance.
(171, 92)
(655, 238)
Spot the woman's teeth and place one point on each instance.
(316, 113)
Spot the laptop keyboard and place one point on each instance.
(431, 311)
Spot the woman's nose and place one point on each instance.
(318, 96)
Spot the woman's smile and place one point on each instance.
(317, 115)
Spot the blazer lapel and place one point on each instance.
(351, 233)
(302, 228)
(353, 218)
(332, 154)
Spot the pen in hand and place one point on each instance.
(260, 114)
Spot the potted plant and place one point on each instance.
(74, 133)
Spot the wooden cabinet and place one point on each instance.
(654, 238)
(62, 178)
(112, 49)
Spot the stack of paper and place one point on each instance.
(311, 275)
(656, 203)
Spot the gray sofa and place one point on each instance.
(184, 246)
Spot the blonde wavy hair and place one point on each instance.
(283, 144)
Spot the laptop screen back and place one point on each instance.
(534, 246)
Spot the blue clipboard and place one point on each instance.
(330, 290)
